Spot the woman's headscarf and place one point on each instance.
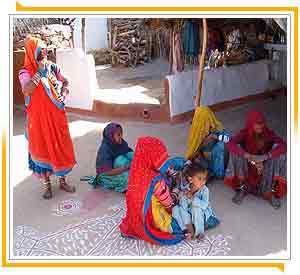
(201, 128)
(109, 150)
(33, 47)
(255, 117)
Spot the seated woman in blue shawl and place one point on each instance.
(113, 160)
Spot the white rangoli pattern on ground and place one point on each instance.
(101, 237)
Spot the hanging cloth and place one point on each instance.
(191, 39)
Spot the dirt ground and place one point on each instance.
(86, 223)
(145, 83)
(123, 85)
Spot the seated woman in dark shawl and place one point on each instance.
(113, 160)
(257, 162)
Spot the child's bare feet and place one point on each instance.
(189, 231)
(200, 236)
(188, 236)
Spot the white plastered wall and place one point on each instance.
(80, 71)
(219, 85)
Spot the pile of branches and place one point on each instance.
(56, 32)
(101, 56)
(132, 42)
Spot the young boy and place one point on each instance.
(193, 212)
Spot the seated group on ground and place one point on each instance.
(167, 198)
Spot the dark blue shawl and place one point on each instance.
(109, 150)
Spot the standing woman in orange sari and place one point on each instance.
(49, 142)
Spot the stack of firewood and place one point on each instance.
(128, 42)
(101, 56)
(132, 43)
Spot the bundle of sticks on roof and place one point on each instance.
(55, 32)
(132, 43)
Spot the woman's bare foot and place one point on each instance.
(63, 185)
(47, 190)
(275, 202)
(239, 197)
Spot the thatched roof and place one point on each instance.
(168, 23)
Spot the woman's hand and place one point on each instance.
(42, 64)
(29, 88)
(117, 171)
(126, 167)
(65, 90)
(209, 138)
(260, 167)
(170, 171)
(42, 67)
(213, 137)
(65, 82)
(258, 162)
(261, 158)
(64, 93)
(249, 157)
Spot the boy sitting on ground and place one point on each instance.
(193, 212)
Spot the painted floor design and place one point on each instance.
(101, 237)
(67, 207)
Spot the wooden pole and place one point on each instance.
(171, 51)
(72, 39)
(109, 32)
(83, 34)
(201, 62)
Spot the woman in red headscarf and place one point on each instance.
(50, 144)
(148, 200)
(257, 162)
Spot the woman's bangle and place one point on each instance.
(36, 78)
